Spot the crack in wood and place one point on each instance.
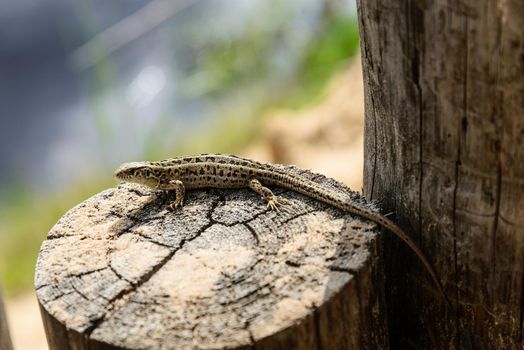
(147, 276)
(85, 273)
(118, 275)
(347, 270)
(253, 233)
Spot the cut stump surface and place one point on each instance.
(122, 270)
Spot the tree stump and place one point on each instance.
(121, 270)
(5, 339)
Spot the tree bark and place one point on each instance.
(444, 150)
(5, 338)
(122, 271)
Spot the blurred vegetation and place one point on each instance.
(327, 53)
(338, 42)
(25, 218)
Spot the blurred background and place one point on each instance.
(86, 85)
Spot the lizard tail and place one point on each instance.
(314, 190)
(389, 225)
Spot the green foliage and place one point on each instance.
(332, 47)
(230, 65)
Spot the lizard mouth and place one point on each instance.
(120, 174)
(127, 171)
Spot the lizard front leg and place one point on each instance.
(272, 200)
(180, 191)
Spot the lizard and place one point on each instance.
(229, 171)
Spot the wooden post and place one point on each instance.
(5, 339)
(122, 271)
(444, 150)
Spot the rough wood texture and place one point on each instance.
(444, 150)
(5, 339)
(121, 270)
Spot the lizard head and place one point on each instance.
(138, 172)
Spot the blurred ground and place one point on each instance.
(325, 137)
(25, 325)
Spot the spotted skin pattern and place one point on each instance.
(229, 171)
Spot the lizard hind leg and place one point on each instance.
(273, 202)
(180, 192)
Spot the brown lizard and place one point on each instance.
(228, 171)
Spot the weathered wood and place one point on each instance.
(444, 150)
(5, 338)
(122, 271)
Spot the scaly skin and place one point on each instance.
(228, 171)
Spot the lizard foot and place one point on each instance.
(276, 203)
(175, 204)
(273, 202)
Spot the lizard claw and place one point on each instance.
(175, 204)
(272, 204)
(275, 203)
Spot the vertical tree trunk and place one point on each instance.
(444, 150)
